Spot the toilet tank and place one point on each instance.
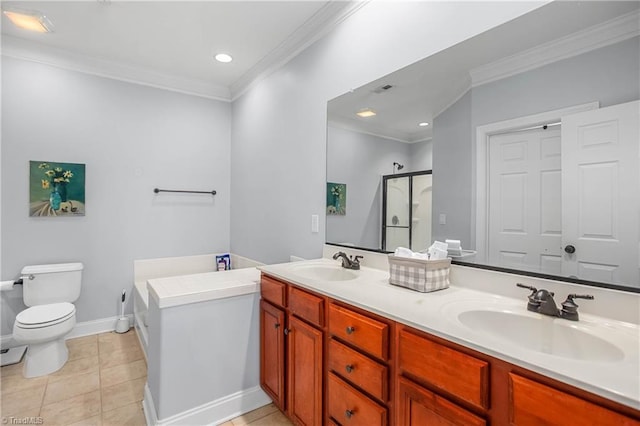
(43, 284)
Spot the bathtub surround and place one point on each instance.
(210, 374)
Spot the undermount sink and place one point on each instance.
(326, 272)
(543, 334)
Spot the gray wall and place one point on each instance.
(360, 161)
(421, 156)
(279, 125)
(608, 75)
(132, 139)
(451, 172)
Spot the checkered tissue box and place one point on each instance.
(420, 275)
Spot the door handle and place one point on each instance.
(569, 249)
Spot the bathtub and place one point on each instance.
(199, 329)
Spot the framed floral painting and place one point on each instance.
(336, 198)
(56, 189)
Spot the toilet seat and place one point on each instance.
(45, 315)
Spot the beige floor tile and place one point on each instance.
(68, 387)
(75, 367)
(129, 415)
(17, 383)
(274, 419)
(91, 421)
(254, 415)
(126, 342)
(123, 373)
(84, 350)
(82, 340)
(22, 417)
(72, 410)
(119, 357)
(122, 394)
(17, 403)
(12, 370)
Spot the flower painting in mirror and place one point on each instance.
(56, 189)
(336, 198)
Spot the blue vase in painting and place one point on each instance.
(55, 199)
(61, 188)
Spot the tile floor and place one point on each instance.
(101, 384)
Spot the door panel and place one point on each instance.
(600, 193)
(272, 352)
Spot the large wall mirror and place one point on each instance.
(532, 136)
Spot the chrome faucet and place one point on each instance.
(542, 302)
(348, 262)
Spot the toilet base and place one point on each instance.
(45, 358)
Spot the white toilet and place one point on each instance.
(48, 291)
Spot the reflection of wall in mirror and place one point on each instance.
(360, 160)
(608, 75)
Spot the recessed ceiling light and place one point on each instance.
(223, 57)
(29, 20)
(423, 124)
(366, 112)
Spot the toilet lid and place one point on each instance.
(45, 313)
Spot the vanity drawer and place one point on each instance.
(306, 306)
(350, 407)
(370, 335)
(273, 290)
(457, 373)
(359, 369)
(533, 403)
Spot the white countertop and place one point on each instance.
(436, 313)
(184, 289)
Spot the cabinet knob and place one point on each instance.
(349, 413)
(349, 368)
(277, 325)
(350, 330)
(286, 331)
(570, 249)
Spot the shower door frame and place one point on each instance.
(410, 175)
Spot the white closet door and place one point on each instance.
(525, 224)
(601, 193)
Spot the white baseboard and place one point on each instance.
(81, 329)
(211, 413)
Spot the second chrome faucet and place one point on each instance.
(542, 302)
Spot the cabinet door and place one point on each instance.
(418, 406)
(305, 373)
(272, 352)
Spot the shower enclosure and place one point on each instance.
(406, 210)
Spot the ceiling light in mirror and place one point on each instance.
(423, 124)
(366, 113)
(224, 58)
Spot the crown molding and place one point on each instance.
(392, 135)
(316, 27)
(613, 31)
(18, 48)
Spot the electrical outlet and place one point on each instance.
(443, 219)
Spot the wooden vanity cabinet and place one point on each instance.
(291, 350)
(324, 361)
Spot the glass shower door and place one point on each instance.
(397, 222)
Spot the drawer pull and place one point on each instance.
(349, 368)
(350, 330)
(349, 413)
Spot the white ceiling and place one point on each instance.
(423, 90)
(175, 41)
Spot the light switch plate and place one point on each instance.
(443, 219)
(314, 223)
